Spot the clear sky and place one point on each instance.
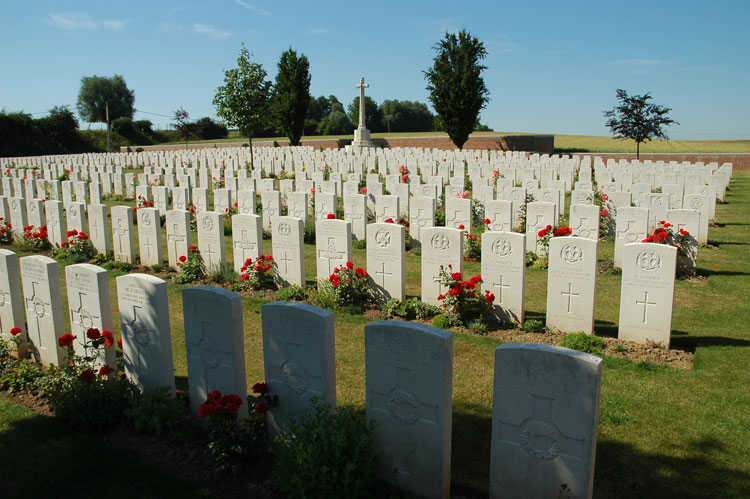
(553, 66)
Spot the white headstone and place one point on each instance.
(56, 228)
(177, 223)
(333, 246)
(11, 301)
(99, 228)
(632, 227)
(584, 221)
(386, 261)
(441, 247)
(247, 239)
(571, 284)
(211, 239)
(123, 237)
(504, 273)
(538, 216)
(288, 251)
(149, 237)
(44, 314)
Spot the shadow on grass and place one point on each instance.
(605, 328)
(44, 458)
(729, 243)
(623, 472)
(690, 343)
(709, 272)
(568, 150)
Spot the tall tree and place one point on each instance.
(373, 114)
(406, 116)
(244, 99)
(104, 99)
(291, 94)
(638, 119)
(457, 89)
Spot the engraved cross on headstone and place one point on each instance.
(330, 253)
(500, 286)
(645, 304)
(569, 294)
(291, 371)
(141, 337)
(382, 273)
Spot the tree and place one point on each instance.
(291, 98)
(336, 123)
(457, 89)
(636, 118)
(182, 124)
(103, 99)
(406, 116)
(244, 99)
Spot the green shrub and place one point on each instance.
(326, 455)
(359, 244)
(441, 321)
(20, 376)
(309, 231)
(413, 308)
(223, 274)
(191, 267)
(291, 293)
(154, 411)
(324, 296)
(533, 326)
(583, 342)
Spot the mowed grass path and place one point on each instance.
(663, 432)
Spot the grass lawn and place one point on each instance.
(663, 432)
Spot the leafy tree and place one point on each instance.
(457, 89)
(60, 126)
(244, 99)
(182, 124)
(291, 99)
(208, 129)
(336, 123)
(638, 119)
(373, 114)
(406, 116)
(103, 99)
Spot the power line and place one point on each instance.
(155, 114)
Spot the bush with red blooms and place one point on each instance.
(86, 392)
(254, 274)
(77, 247)
(33, 239)
(191, 267)
(472, 247)
(404, 172)
(665, 233)
(6, 231)
(463, 301)
(606, 220)
(350, 286)
(548, 233)
(230, 441)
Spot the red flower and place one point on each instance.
(104, 370)
(489, 297)
(363, 190)
(662, 222)
(331, 216)
(235, 204)
(15, 331)
(312, 189)
(684, 232)
(389, 221)
(349, 265)
(206, 409)
(93, 333)
(182, 258)
(359, 271)
(231, 402)
(487, 221)
(542, 233)
(87, 375)
(461, 227)
(605, 212)
(456, 276)
(66, 340)
(605, 197)
(193, 248)
(261, 388)
(109, 338)
(441, 297)
(119, 343)
(261, 407)
(336, 282)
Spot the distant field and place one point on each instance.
(563, 143)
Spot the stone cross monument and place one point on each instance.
(362, 134)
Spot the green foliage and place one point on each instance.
(76, 249)
(157, 267)
(33, 240)
(229, 440)
(243, 100)
(325, 455)
(351, 287)
(20, 376)
(182, 125)
(324, 296)
(636, 118)
(359, 244)
(192, 268)
(119, 266)
(222, 274)
(291, 94)
(208, 129)
(441, 321)
(406, 116)
(472, 247)
(373, 114)
(291, 293)
(413, 308)
(533, 326)
(457, 89)
(155, 411)
(583, 342)
(336, 123)
(309, 232)
(98, 93)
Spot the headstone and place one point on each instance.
(421, 216)
(632, 227)
(688, 221)
(288, 251)
(89, 306)
(76, 217)
(123, 237)
(178, 235)
(333, 246)
(409, 383)
(458, 213)
(355, 212)
(99, 228)
(222, 200)
(700, 204)
(271, 206)
(386, 261)
(545, 418)
(11, 301)
(584, 221)
(40, 276)
(647, 296)
(571, 284)
(17, 208)
(298, 357)
(504, 273)
(149, 237)
(297, 206)
(55, 222)
(211, 239)
(246, 202)
(441, 247)
(146, 333)
(539, 215)
(214, 344)
(35, 211)
(386, 207)
(247, 239)
(500, 214)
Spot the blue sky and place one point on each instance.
(553, 67)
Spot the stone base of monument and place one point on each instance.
(362, 138)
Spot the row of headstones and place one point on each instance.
(544, 432)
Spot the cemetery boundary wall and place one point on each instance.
(529, 143)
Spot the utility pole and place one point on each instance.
(106, 112)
